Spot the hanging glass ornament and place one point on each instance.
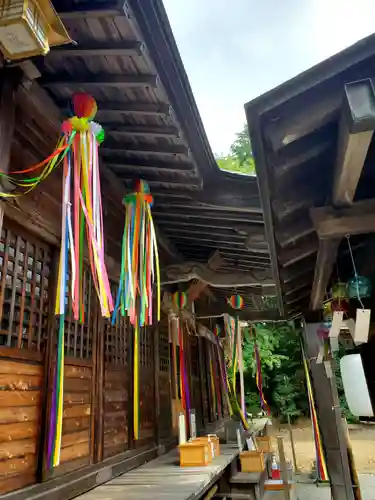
(359, 287)
(340, 290)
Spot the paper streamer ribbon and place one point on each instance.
(82, 224)
(259, 378)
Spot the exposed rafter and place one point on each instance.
(70, 11)
(165, 131)
(141, 147)
(220, 308)
(120, 108)
(98, 49)
(99, 80)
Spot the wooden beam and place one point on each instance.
(355, 134)
(298, 252)
(141, 130)
(121, 107)
(214, 263)
(110, 146)
(330, 222)
(98, 80)
(290, 232)
(188, 271)
(194, 213)
(144, 167)
(98, 49)
(325, 261)
(74, 11)
(356, 130)
(220, 308)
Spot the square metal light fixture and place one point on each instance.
(29, 28)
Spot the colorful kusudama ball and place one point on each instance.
(236, 301)
(217, 330)
(179, 300)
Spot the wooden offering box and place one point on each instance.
(264, 443)
(213, 444)
(252, 461)
(195, 454)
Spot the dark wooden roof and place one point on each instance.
(126, 57)
(294, 131)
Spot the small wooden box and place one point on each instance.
(252, 461)
(264, 443)
(213, 444)
(194, 454)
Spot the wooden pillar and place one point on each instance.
(202, 378)
(329, 416)
(155, 335)
(9, 81)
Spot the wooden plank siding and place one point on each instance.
(24, 289)
(164, 374)
(147, 390)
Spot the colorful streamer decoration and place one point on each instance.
(236, 302)
(259, 380)
(82, 223)
(140, 272)
(184, 384)
(321, 467)
(217, 330)
(179, 300)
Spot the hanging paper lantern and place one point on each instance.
(179, 300)
(359, 287)
(236, 301)
(340, 290)
(327, 310)
(340, 305)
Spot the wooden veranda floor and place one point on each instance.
(163, 479)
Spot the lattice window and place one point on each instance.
(164, 351)
(24, 281)
(146, 351)
(79, 335)
(116, 343)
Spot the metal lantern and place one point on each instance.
(359, 287)
(29, 28)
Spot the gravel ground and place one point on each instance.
(311, 492)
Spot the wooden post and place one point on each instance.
(283, 467)
(240, 365)
(203, 386)
(155, 335)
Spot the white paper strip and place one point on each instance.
(362, 326)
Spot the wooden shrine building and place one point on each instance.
(314, 151)
(210, 235)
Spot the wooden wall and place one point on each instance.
(147, 386)
(117, 377)
(164, 381)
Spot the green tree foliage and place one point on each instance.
(282, 369)
(240, 159)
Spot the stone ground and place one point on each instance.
(311, 492)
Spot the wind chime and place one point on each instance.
(139, 273)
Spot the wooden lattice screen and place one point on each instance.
(24, 280)
(165, 403)
(147, 385)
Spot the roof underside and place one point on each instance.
(294, 131)
(127, 59)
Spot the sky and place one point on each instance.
(235, 50)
